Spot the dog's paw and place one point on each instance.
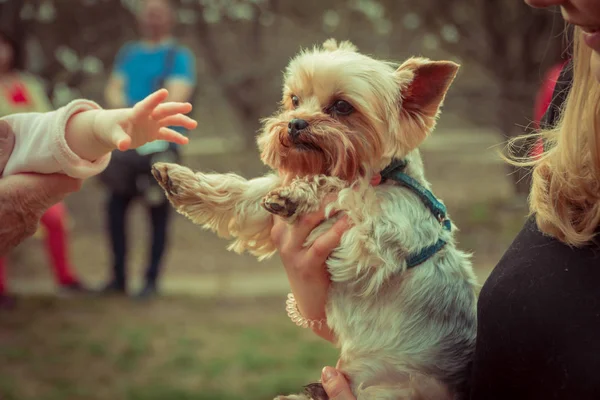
(161, 174)
(278, 202)
(316, 391)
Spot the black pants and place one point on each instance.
(117, 213)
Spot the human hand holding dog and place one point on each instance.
(335, 384)
(305, 266)
(23, 200)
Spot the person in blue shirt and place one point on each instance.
(141, 67)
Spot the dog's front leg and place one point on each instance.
(227, 204)
(374, 241)
(301, 196)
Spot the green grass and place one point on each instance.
(171, 349)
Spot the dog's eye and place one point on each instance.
(342, 107)
(295, 101)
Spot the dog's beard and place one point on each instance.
(326, 147)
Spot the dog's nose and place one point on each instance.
(296, 126)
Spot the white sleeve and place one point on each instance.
(40, 145)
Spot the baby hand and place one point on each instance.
(129, 128)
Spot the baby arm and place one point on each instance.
(77, 139)
(95, 133)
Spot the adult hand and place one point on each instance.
(305, 266)
(422, 387)
(335, 385)
(23, 200)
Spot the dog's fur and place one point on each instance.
(403, 334)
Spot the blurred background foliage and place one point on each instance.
(242, 45)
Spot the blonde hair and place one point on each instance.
(565, 192)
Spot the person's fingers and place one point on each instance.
(278, 231)
(178, 120)
(327, 242)
(120, 139)
(335, 385)
(300, 230)
(170, 135)
(170, 108)
(151, 102)
(305, 225)
(328, 199)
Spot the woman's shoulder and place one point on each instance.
(537, 266)
(538, 318)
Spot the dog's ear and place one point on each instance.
(332, 45)
(423, 86)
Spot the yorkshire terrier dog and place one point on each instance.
(402, 303)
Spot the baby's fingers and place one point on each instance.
(120, 139)
(179, 120)
(151, 102)
(171, 136)
(170, 108)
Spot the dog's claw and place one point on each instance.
(172, 189)
(156, 173)
(274, 207)
(279, 205)
(164, 179)
(316, 391)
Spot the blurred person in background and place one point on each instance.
(22, 92)
(545, 92)
(156, 60)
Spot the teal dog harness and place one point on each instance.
(395, 172)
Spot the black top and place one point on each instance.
(538, 333)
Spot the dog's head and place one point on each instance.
(345, 114)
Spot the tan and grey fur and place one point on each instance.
(403, 333)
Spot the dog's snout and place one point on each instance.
(296, 126)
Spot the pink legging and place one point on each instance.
(54, 221)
